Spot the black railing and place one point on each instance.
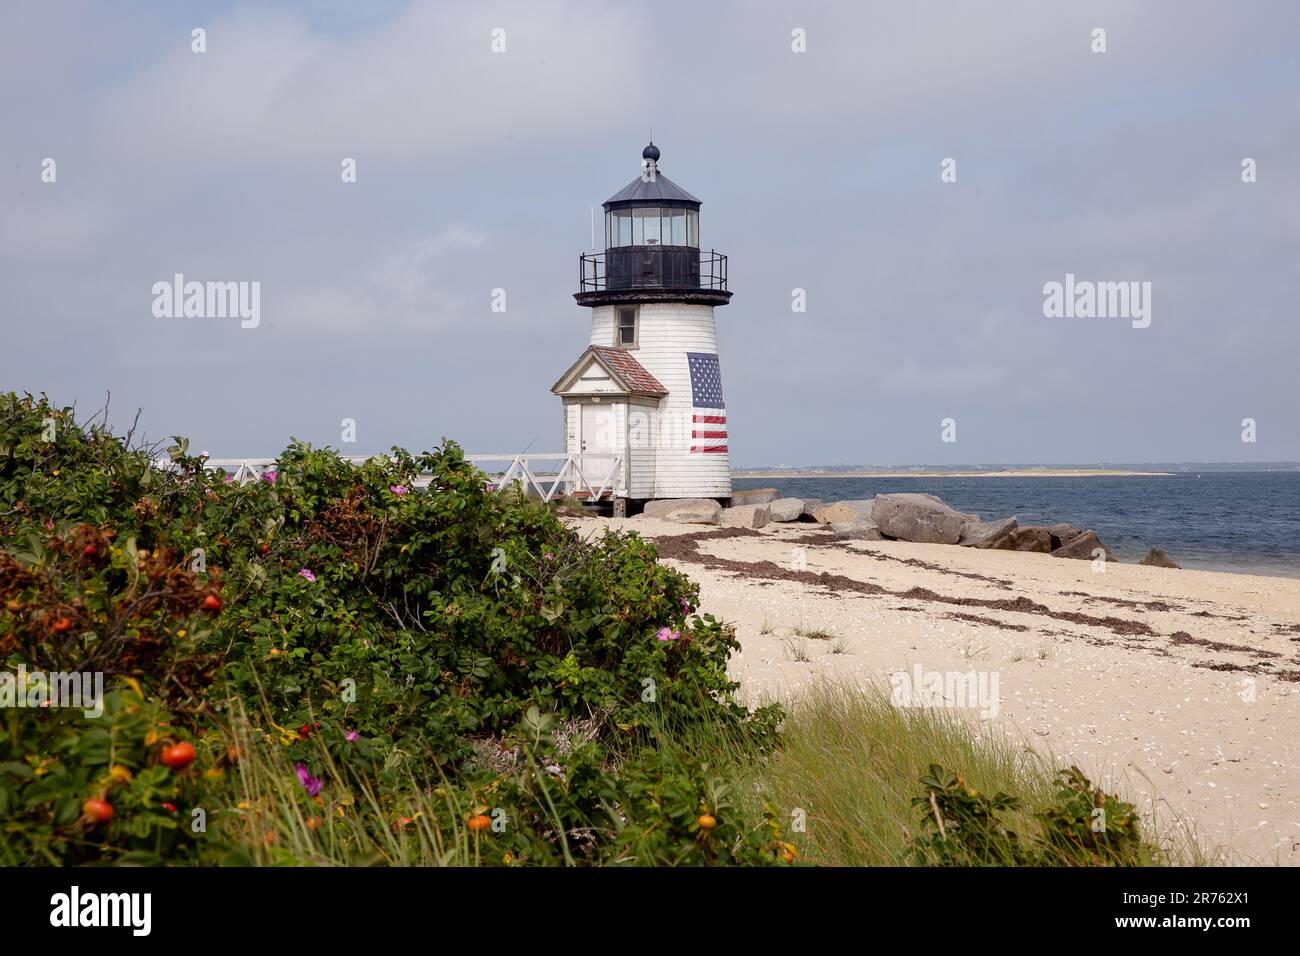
(652, 267)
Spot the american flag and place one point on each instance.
(708, 414)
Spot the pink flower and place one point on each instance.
(310, 783)
(308, 575)
(667, 635)
(270, 476)
(353, 735)
(398, 489)
(548, 556)
(686, 608)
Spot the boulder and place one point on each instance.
(745, 516)
(1159, 558)
(844, 511)
(860, 530)
(754, 496)
(664, 506)
(810, 508)
(696, 515)
(920, 518)
(786, 509)
(982, 534)
(1082, 545)
(684, 510)
(1024, 539)
(1062, 534)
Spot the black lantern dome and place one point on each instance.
(652, 246)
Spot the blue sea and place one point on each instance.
(1247, 522)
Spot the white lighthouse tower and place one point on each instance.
(644, 402)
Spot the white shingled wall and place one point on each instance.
(642, 457)
(667, 331)
(572, 437)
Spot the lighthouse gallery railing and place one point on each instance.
(652, 267)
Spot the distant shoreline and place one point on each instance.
(1037, 473)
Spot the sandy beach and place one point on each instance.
(1181, 687)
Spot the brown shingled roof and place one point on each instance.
(630, 370)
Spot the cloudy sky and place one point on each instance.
(819, 170)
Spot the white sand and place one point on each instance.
(1217, 748)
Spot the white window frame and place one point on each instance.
(618, 328)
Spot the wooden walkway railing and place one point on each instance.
(546, 474)
(576, 475)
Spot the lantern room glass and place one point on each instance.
(652, 226)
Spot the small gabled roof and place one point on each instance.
(626, 372)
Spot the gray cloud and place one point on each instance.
(818, 171)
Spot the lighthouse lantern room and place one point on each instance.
(645, 398)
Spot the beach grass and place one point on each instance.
(841, 782)
(849, 765)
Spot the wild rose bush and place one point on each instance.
(52, 762)
(391, 629)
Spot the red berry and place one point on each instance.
(179, 756)
(100, 811)
(61, 625)
(212, 603)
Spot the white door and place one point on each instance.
(598, 443)
(597, 429)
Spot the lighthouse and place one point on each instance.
(644, 403)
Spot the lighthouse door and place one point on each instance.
(597, 429)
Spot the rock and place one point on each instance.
(745, 516)
(754, 496)
(1082, 545)
(860, 530)
(810, 508)
(699, 515)
(844, 512)
(920, 518)
(1025, 539)
(1062, 534)
(786, 509)
(684, 510)
(982, 534)
(664, 506)
(1159, 558)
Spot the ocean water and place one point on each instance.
(1247, 522)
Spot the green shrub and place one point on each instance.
(53, 760)
(1083, 826)
(382, 627)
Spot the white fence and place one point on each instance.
(590, 476)
(548, 475)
